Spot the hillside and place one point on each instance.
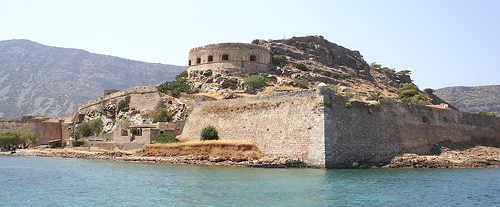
(472, 99)
(50, 81)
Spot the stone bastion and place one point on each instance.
(230, 57)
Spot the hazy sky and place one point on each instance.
(443, 43)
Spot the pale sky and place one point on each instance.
(443, 43)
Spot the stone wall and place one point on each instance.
(373, 133)
(143, 98)
(284, 124)
(238, 58)
(317, 127)
(44, 129)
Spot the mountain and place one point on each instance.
(51, 81)
(472, 99)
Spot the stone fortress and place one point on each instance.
(230, 58)
(316, 126)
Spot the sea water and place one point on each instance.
(31, 181)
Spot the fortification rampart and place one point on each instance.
(144, 98)
(44, 129)
(282, 124)
(317, 127)
(230, 57)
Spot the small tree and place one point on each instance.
(161, 115)
(301, 66)
(84, 129)
(96, 126)
(123, 105)
(279, 59)
(209, 133)
(255, 81)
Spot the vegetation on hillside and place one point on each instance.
(88, 128)
(123, 105)
(177, 86)
(160, 115)
(255, 81)
(409, 93)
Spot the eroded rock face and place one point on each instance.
(318, 49)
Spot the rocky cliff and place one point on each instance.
(50, 81)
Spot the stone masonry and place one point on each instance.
(315, 126)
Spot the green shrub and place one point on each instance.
(352, 73)
(429, 90)
(375, 96)
(134, 131)
(183, 74)
(487, 113)
(17, 138)
(166, 139)
(349, 94)
(348, 105)
(279, 59)
(176, 87)
(76, 143)
(387, 70)
(409, 93)
(335, 75)
(301, 66)
(209, 133)
(333, 87)
(370, 111)
(160, 115)
(255, 81)
(301, 83)
(86, 128)
(96, 126)
(123, 105)
(404, 72)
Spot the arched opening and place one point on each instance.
(225, 57)
(189, 63)
(210, 58)
(253, 58)
(198, 60)
(425, 119)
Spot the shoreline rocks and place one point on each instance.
(476, 157)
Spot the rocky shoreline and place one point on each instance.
(476, 157)
(129, 156)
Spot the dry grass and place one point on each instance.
(206, 150)
(238, 108)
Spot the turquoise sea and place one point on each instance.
(31, 181)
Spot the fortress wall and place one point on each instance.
(355, 135)
(44, 130)
(299, 125)
(143, 98)
(282, 124)
(233, 67)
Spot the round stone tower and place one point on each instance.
(236, 58)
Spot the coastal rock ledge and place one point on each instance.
(475, 157)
